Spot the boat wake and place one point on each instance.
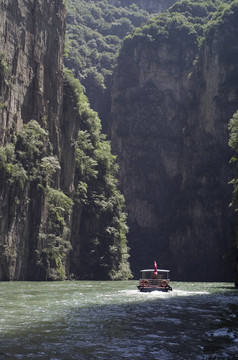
(188, 293)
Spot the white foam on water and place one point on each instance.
(219, 356)
(98, 324)
(173, 320)
(223, 332)
(128, 291)
(161, 354)
(136, 294)
(188, 293)
(154, 336)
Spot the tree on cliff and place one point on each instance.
(233, 143)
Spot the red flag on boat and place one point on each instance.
(155, 267)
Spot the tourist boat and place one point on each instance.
(154, 280)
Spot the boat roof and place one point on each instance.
(152, 270)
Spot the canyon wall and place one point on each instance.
(31, 88)
(61, 214)
(169, 128)
(32, 45)
(60, 209)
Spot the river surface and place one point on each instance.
(81, 320)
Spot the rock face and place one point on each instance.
(169, 128)
(31, 87)
(32, 44)
(58, 186)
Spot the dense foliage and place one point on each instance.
(28, 162)
(97, 198)
(186, 18)
(95, 30)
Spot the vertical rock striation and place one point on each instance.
(31, 87)
(32, 44)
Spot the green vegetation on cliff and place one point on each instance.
(184, 18)
(233, 143)
(28, 162)
(175, 86)
(95, 30)
(103, 245)
(28, 169)
(3, 66)
(225, 21)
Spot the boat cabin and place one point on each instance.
(148, 274)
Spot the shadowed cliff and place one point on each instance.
(171, 103)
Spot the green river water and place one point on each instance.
(113, 320)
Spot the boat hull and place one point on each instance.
(154, 288)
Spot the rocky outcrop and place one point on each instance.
(169, 128)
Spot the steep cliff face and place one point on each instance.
(60, 209)
(32, 44)
(31, 48)
(169, 129)
(95, 30)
